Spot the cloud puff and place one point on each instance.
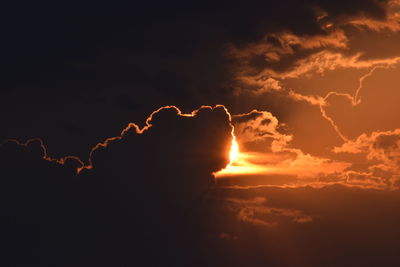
(382, 150)
(257, 126)
(256, 211)
(381, 146)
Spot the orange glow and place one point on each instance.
(239, 162)
(234, 154)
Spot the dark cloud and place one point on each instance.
(136, 206)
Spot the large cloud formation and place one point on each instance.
(132, 207)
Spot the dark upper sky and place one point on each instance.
(315, 182)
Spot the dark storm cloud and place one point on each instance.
(136, 206)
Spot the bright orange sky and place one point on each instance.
(340, 126)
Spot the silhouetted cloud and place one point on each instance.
(135, 205)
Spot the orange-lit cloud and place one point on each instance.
(276, 156)
(391, 23)
(382, 149)
(44, 154)
(257, 211)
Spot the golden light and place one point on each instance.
(238, 163)
(234, 153)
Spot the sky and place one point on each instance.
(200, 133)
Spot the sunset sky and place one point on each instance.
(201, 133)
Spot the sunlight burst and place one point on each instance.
(234, 153)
